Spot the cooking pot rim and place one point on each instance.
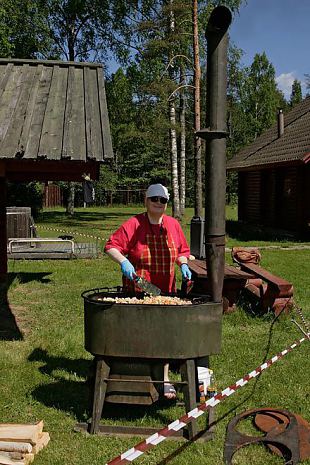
(87, 294)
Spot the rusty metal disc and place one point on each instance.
(273, 418)
(283, 435)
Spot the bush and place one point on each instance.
(26, 195)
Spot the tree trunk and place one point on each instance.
(182, 145)
(3, 228)
(174, 161)
(70, 204)
(197, 75)
(173, 134)
(71, 185)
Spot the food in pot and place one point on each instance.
(149, 300)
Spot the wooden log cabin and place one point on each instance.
(54, 126)
(274, 175)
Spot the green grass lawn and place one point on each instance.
(102, 221)
(43, 375)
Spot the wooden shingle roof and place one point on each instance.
(53, 110)
(293, 147)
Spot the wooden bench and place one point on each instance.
(271, 292)
(275, 293)
(235, 280)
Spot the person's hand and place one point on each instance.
(186, 272)
(128, 269)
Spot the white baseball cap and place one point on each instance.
(157, 190)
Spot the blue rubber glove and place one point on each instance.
(128, 269)
(186, 272)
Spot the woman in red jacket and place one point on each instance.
(149, 245)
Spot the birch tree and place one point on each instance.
(182, 164)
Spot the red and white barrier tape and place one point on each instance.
(135, 452)
(70, 232)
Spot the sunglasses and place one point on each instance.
(155, 198)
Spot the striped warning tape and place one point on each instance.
(303, 319)
(167, 431)
(71, 232)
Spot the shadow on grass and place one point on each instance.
(63, 394)
(23, 277)
(75, 396)
(135, 413)
(79, 367)
(79, 217)
(246, 232)
(180, 449)
(9, 328)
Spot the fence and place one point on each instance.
(52, 196)
(120, 197)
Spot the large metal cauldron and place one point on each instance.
(150, 331)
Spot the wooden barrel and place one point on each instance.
(18, 221)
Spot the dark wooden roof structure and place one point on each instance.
(54, 122)
(270, 150)
(54, 126)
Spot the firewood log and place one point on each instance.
(43, 440)
(13, 432)
(15, 458)
(13, 446)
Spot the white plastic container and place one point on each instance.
(203, 378)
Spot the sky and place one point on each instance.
(280, 28)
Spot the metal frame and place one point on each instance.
(19, 240)
(188, 372)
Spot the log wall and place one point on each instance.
(277, 198)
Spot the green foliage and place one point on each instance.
(262, 97)
(23, 32)
(152, 53)
(108, 181)
(5, 30)
(237, 120)
(138, 129)
(26, 195)
(54, 29)
(253, 99)
(296, 94)
(75, 28)
(253, 102)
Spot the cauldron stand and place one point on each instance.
(148, 335)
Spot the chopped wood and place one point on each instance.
(42, 442)
(15, 458)
(13, 432)
(14, 446)
(7, 455)
(20, 442)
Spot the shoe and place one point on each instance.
(169, 391)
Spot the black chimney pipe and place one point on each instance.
(215, 135)
(280, 123)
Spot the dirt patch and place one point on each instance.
(23, 321)
(15, 323)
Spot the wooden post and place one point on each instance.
(188, 373)
(3, 233)
(102, 372)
